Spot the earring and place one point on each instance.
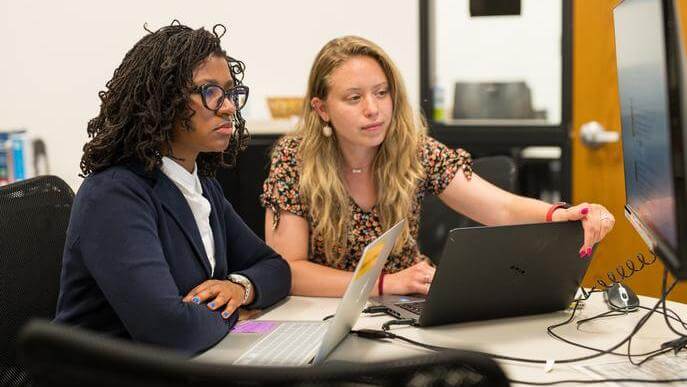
(327, 130)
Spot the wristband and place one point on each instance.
(380, 284)
(554, 207)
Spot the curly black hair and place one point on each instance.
(149, 93)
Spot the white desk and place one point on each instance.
(524, 337)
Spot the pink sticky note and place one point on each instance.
(252, 326)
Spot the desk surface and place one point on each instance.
(524, 337)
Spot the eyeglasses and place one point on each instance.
(213, 96)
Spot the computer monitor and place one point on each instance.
(650, 58)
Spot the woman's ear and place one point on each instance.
(320, 108)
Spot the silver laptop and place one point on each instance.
(302, 343)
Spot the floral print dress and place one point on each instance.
(280, 193)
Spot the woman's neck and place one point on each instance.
(358, 160)
(187, 159)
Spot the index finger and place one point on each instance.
(588, 238)
(202, 286)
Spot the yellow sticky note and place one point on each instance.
(369, 259)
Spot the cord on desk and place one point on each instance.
(627, 339)
(405, 321)
(674, 345)
(611, 313)
(380, 335)
(386, 334)
(369, 310)
(623, 272)
(376, 334)
(665, 315)
(550, 331)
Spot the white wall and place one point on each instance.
(56, 55)
(502, 49)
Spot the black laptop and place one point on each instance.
(501, 271)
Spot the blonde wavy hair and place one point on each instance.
(396, 166)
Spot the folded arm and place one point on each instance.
(121, 248)
(248, 255)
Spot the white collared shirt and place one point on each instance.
(189, 185)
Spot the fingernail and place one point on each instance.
(212, 304)
(585, 211)
(582, 253)
(225, 314)
(589, 252)
(196, 300)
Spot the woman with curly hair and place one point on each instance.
(361, 161)
(154, 251)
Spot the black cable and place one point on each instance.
(674, 316)
(609, 313)
(665, 280)
(638, 326)
(612, 313)
(384, 334)
(404, 321)
(376, 309)
(626, 271)
(675, 345)
(369, 310)
(377, 334)
(553, 334)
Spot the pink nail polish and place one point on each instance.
(582, 253)
(585, 211)
(589, 252)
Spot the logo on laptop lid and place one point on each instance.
(369, 259)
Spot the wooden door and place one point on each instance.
(598, 173)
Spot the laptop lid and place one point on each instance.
(364, 278)
(503, 271)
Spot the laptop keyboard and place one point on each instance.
(412, 307)
(289, 344)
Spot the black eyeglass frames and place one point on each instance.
(213, 96)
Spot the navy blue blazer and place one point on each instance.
(133, 251)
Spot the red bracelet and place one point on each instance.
(380, 284)
(554, 207)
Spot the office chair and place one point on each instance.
(492, 100)
(242, 185)
(437, 219)
(34, 214)
(59, 355)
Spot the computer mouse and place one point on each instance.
(621, 298)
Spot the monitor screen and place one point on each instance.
(650, 115)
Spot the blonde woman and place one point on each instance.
(359, 162)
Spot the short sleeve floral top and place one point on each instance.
(280, 193)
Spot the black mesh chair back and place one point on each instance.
(57, 355)
(437, 219)
(34, 214)
(492, 100)
(242, 185)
